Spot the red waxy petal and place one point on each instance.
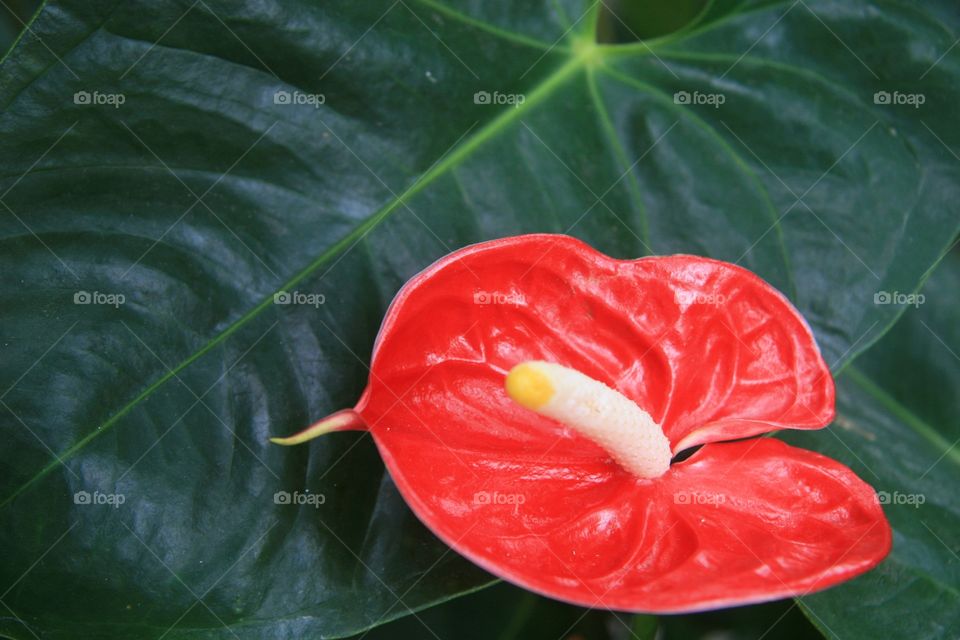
(707, 348)
(736, 523)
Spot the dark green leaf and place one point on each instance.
(626, 20)
(898, 426)
(205, 192)
(643, 627)
(505, 612)
(780, 620)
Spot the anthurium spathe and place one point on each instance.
(527, 395)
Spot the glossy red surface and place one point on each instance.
(711, 351)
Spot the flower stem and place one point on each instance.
(345, 420)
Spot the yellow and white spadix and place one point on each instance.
(593, 409)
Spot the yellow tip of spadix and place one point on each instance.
(528, 386)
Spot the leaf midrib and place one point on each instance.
(493, 29)
(738, 160)
(551, 82)
(607, 126)
(912, 420)
(490, 130)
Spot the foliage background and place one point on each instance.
(128, 576)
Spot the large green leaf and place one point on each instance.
(780, 620)
(505, 612)
(898, 426)
(202, 194)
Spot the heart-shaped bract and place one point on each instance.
(712, 352)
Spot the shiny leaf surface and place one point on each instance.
(900, 433)
(223, 178)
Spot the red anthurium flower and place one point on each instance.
(527, 395)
